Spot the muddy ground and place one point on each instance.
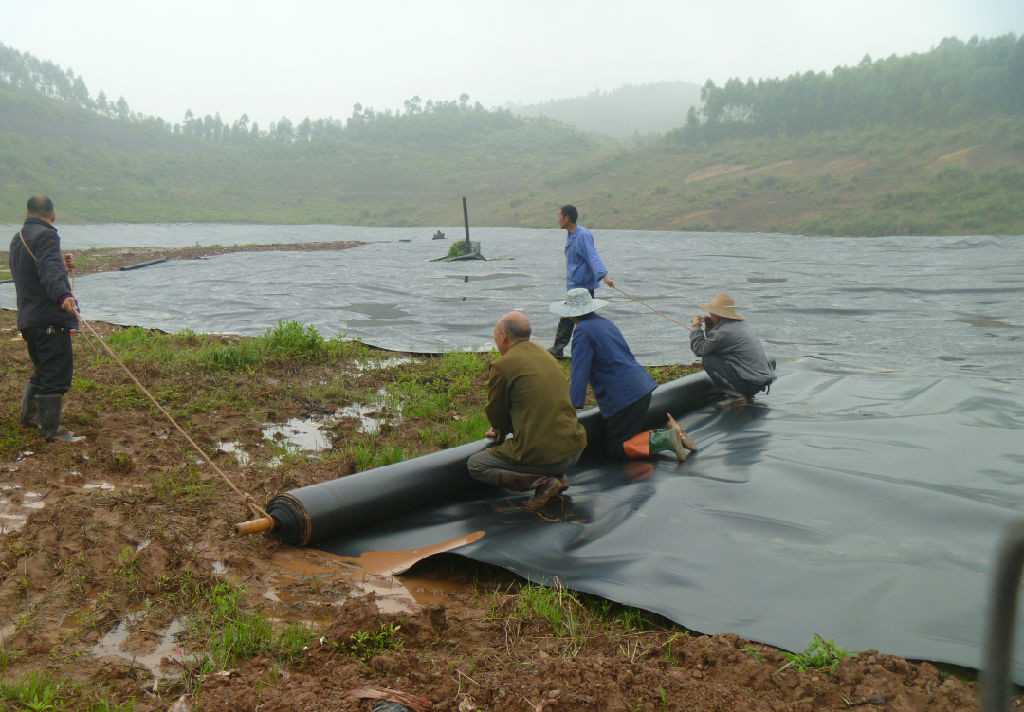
(113, 549)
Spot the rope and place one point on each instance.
(247, 499)
(686, 326)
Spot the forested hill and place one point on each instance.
(925, 144)
(955, 83)
(631, 111)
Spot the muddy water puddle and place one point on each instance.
(15, 506)
(379, 572)
(312, 434)
(143, 647)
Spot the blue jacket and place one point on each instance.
(601, 357)
(583, 266)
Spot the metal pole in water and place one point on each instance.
(465, 213)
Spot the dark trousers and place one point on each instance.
(623, 425)
(485, 467)
(563, 334)
(49, 347)
(726, 378)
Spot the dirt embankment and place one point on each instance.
(121, 581)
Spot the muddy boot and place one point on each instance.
(732, 402)
(562, 337)
(518, 481)
(688, 442)
(651, 442)
(550, 487)
(51, 414)
(29, 416)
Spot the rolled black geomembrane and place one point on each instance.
(311, 514)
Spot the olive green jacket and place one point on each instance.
(528, 396)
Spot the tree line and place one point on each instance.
(24, 71)
(954, 82)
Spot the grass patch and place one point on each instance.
(183, 484)
(820, 654)
(41, 693)
(235, 635)
(364, 645)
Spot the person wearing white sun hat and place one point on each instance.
(622, 387)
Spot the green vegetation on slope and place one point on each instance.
(834, 155)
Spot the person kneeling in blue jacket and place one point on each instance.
(622, 387)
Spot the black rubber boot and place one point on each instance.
(29, 416)
(562, 337)
(51, 414)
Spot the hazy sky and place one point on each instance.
(319, 57)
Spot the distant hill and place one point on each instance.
(924, 145)
(630, 110)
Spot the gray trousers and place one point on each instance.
(483, 467)
(726, 378)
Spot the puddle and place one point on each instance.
(142, 545)
(309, 434)
(106, 486)
(299, 434)
(235, 448)
(373, 572)
(426, 591)
(219, 567)
(121, 642)
(383, 363)
(395, 562)
(360, 412)
(13, 509)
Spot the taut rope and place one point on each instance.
(686, 326)
(247, 498)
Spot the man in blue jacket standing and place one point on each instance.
(46, 317)
(622, 387)
(583, 268)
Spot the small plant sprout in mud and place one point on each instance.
(820, 654)
(364, 645)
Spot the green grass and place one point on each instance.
(820, 654)
(183, 484)
(40, 693)
(288, 342)
(364, 645)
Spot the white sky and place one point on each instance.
(319, 57)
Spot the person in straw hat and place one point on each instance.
(602, 358)
(730, 351)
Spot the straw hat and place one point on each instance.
(722, 305)
(577, 302)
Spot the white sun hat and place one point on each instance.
(577, 302)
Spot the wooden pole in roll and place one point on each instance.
(465, 214)
(255, 526)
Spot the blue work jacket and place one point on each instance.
(583, 266)
(601, 357)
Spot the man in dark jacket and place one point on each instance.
(730, 351)
(527, 399)
(46, 316)
(622, 387)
